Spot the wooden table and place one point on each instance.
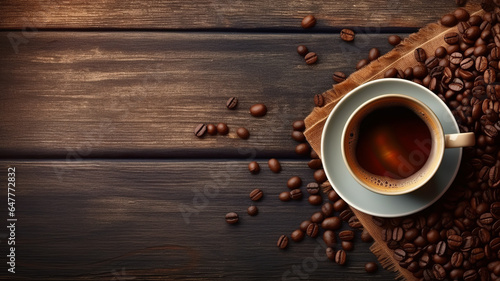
(98, 104)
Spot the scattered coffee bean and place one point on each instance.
(315, 164)
(319, 100)
(243, 133)
(440, 52)
(331, 223)
(296, 194)
(258, 110)
(312, 188)
(308, 21)
(329, 238)
(294, 182)
(394, 40)
(327, 209)
(282, 242)
(461, 14)
(371, 267)
(302, 50)
(315, 200)
(317, 217)
(256, 194)
(312, 230)
(222, 129)
(297, 235)
(373, 54)
(299, 125)
(303, 149)
(451, 38)
(311, 58)
(420, 55)
(211, 129)
(333, 196)
(449, 20)
(366, 237)
(347, 35)
(340, 257)
(274, 165)
(254, 167)
(298, 136)
(232, 218)
(304, 225)
(346, 235)
(339, 76)
(330, 253)
(320, 176)
(362, 63)
(285, 196)
(232, 103)
(347, 245)
(200, 130)
(252, 210)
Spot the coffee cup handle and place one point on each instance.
(459, 140)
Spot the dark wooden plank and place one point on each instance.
(211, 14)
(133, 94)
(163, 220)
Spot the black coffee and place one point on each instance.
(393, 142)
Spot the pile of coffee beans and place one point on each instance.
(458, 238)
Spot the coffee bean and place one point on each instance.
(466, 63)
(431, 62)
(470, 275)
(362, 63)
(399, 254)
(346, 235)
(254, 167)
(232, 103)
(331, 223)
(294, 182)
(491, 131)
(495, 244)
(441, 248)
(394, 40)
(211, 129)
(298, 136)
(315, 200)
(480, 50)
(456, 58)
(304, 224)
(319, 100)
(347, 245)
(303, 149)
(258, 110)
(419, 71)
(456, 85)
(440, 52)
(339, 205)
(449, 20)
(312, 188)
(378, 221)
(302, 50)
(495, 207)
(409, 73)
(308, 21)
(320, 176)
(386, 234)
(457, 259)
(397, 234)
(340, 257)
(296, 194)
(333, 196)
(285, 196)
(433, 236)
(488, 6)
(200, 130)
(439, 272)
(451, 38)
(475, 20)
(489, 76)
(243, 133)
(282, 242)
(461, 14)
(481, 63)
(420, 55)
(347, 35)
(471, 33)
(252, 210)
(391, 73)
(486, 219)
(312, 230)
(256, 194)
(232, 218)
(311, 58)
(373, 54)
(297, 235)
(339, 76)
(365, 236)
(299, 125)
(315, 164)
(454, 241)
(327, 209)
(329, 238)
(274, 165)
(354, 222)
(330, 253)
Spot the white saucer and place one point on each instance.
(363, 199)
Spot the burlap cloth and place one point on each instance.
(429, 38)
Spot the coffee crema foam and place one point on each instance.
(414, 178)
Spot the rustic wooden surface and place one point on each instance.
(97, 109)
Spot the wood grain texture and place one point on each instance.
(219, 14)
(141, 94)
(164, 220)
